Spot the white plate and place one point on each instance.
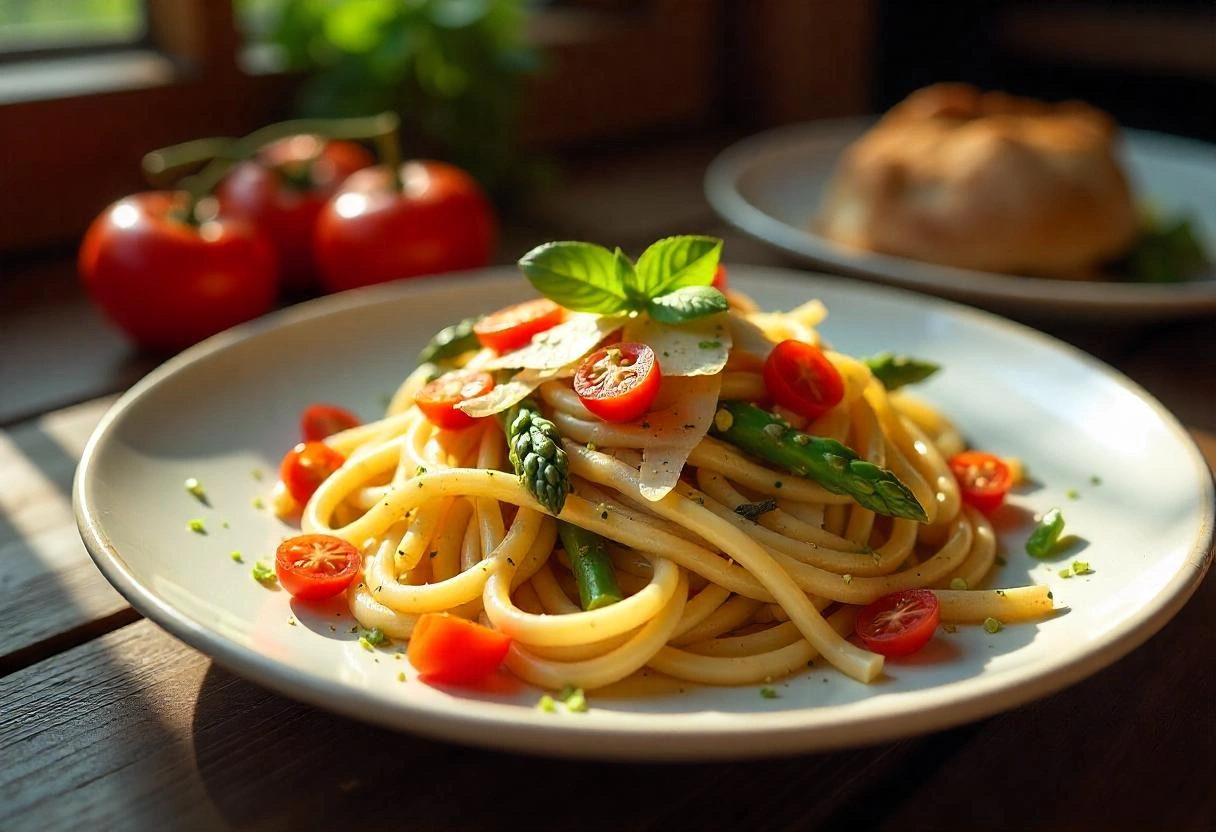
(230, 405)
(770, 187)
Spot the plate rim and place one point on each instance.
(508, 727)
(721, 189)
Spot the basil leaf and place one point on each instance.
(580, 276)
(628, 277)
(687, 304)
(895, 371)
(675, 262)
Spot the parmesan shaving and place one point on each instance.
(561, 345)
(511, 392)
(749, 338)
(687, 407)
(698, 348)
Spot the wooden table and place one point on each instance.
(107, 722)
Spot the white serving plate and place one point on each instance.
(230, 405)
(770, 186)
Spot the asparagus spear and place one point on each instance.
(450, 342)
(826, 461)
(536, 454)
(894, 371)
(591, 564)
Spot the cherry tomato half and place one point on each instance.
(167, 283)
(282, 191)
(316, 566)
(370, 233)
(618, 383)
(455, 651)
(799, 377)
(720, 280)
(306, 466)
(511, 328)
(900, 623)
(321, 420)
(438, 399)
(983, 478)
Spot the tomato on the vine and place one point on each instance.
(900, 623)
(168, 283)
(438, 399)
(619, 383)
(799, 377)
(511, 328)
(321, 420)
(983, 478)
(306, 466)
(282, 190)
(455, 651)
(370, 232)
(316, 566)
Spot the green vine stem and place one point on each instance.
(223, 153)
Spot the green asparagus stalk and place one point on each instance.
(895, 371)
(591, 564)
(450, 342)
(826, 461)
(536, 454)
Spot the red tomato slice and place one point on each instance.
(900, 623)
(983, 478)
(618, 383)
(720, 282)
(455, 651)
(511, 328)
(321, 420)
(799, 377)
(316, 566)
(306, 466)
(438, 400)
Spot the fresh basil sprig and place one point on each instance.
(671, 280)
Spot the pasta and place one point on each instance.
(730, 570)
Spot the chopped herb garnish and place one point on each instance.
(258, 503)
(1066, 572)
(224, 524)
(1080, 567)
(547, 704)
(992, 625)
(236, 556)
(197, 526)
(768, 692)
(1072, 494)
(958, 583)
(196, 490)
(365, 644)
(1046, 536)
(376, 637)
(577, 702)
(401, 676)
(263, 574)
(257, 474)
(752, 511)
(1095, 480)
(420, 470)
(291, 621)
(709, 345)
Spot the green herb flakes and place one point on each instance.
(1066, 572)
(1072, 494)
(236, 556)
(401, 676)
(365, 644)
(197, 526)
(257, 474)
(259, 503)
(958, 583)
(547, 704)
(1080, 567)
(709, 345)
(263, 574)
(992, 625)
(376, 637)
(195, 489)
(1046, 535)
(768, 692)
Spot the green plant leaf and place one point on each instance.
(687, 304)
(675, 262)
(580, 276)
(628, 277)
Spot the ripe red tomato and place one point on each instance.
(321, 420)
(900, 623)
(720, 280)
(983, 479)
(316, 566)
(281, 192)
(799, 377)
(438, 399)
(511, 328)
(306, 466)
(618, 383)
(455, 651)
(369, 233)
(168, 284)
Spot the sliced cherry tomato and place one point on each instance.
(900, 623)
(306, 466)
(799, 377)
(168, 283)
(618, 383)
(438, 399)
(321, 420)
(983, 478)
(316, 566)
(511, 328)
(455, 651)
(720, 282)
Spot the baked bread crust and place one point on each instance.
(985, 181)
